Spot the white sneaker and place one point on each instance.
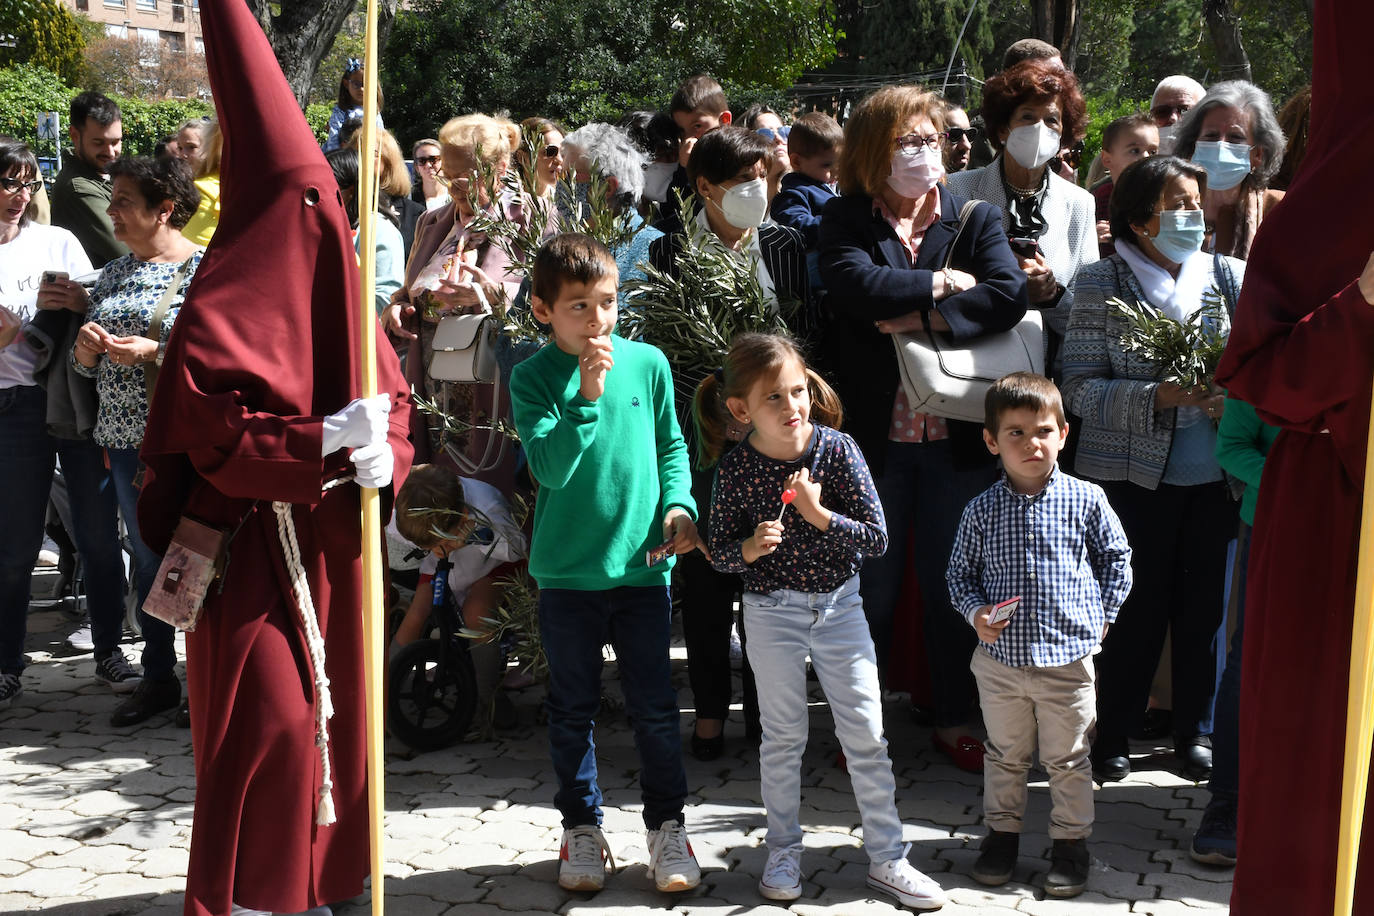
(80, 638)
(671, 862)
(900, 878)
(582, 859)
(782, 875)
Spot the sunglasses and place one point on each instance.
(774, 134)
(957, 134)
(551, 151)
(427, 160)
(1161, 112)
(15, 185)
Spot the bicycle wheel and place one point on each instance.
(431, 701)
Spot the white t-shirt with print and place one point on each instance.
(23, 261)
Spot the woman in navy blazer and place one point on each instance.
(883, 245)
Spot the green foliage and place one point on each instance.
(317, 116)
(586, 60)
(25, 91)
(145, 123)
(907, 36)
(1186, 353)
(44, 33)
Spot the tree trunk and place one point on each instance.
(1223, 23)
(1059, 23)
(302, 32)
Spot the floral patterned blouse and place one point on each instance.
(122, 303)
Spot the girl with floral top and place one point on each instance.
(151, 202)
(794, 512)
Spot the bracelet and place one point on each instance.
(950, 287)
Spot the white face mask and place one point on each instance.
(1032, 145)
(745, 205)
(658, 176)
(915, 171)
(1167, 137)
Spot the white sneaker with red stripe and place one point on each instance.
(582, 859)
(671, 862)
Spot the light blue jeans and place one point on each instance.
(784, 628)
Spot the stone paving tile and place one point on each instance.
(95, 821)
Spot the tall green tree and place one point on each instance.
(302, 32)
(44, 33)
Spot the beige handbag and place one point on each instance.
(949, 378)
(464, 349)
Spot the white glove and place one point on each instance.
(362, 422)
(373, 465)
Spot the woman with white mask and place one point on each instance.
(1151, 445)
(1032, 111)
(1233, 134)
(883, 248)
(728, 170)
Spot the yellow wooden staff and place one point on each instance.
(374, 636)
(1359, 715)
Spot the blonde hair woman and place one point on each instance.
(201, 227)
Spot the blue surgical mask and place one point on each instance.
(1180, 234)
(1226, 164)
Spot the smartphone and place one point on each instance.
(1025, 248)
(1004, 609)
(660, 553)
(53, 276)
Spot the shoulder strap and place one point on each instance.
(1229, 294)
(965, 213)
(164, 304)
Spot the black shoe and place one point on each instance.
(1111, 769)
(148, 699)
(997, 859)
(1196, 756)
(706, 749)
(183, 718)
(1068, 868)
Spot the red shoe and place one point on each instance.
(965, 753)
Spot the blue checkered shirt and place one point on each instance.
(1062, 550)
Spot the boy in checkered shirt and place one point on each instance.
(1052, 541)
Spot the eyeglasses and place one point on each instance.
(957, 134)
(356, 84)
(426, 160)
(1164, 112)
(774, 134)
(551, 151)
(14, 185)
(914, 141)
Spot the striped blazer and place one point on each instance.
(1069, 242)
(1121, 436)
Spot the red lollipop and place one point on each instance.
(787, 496)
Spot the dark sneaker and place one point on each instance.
(148, 699)
(1068, 868)
(10, 689)
(115, 670)
(1215, 840)
(997, 859)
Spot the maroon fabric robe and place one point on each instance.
(1302, 352)
(266, 345)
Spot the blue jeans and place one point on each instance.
(575, 624)
(1225, 782)
(27, 456)
(785, 627)
(923, 493)
(159, 649)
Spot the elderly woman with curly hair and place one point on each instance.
(1032, 111)
(456, 269)
(1233, 134)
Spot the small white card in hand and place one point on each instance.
(1003, 610)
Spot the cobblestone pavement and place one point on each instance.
(96, 821)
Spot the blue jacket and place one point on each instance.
(799, 203)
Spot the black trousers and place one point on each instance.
(1178, 539)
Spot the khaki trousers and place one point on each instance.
(1054, 707)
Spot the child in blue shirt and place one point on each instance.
(799, 559)
(1053, 542)
(812, 147)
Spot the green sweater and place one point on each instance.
(608, 470)
(1243, 441)
(80, 196)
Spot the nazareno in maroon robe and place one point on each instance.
(266, 345)
(1302, 352)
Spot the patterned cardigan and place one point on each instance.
(1121, 435)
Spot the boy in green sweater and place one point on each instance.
(595, 415)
